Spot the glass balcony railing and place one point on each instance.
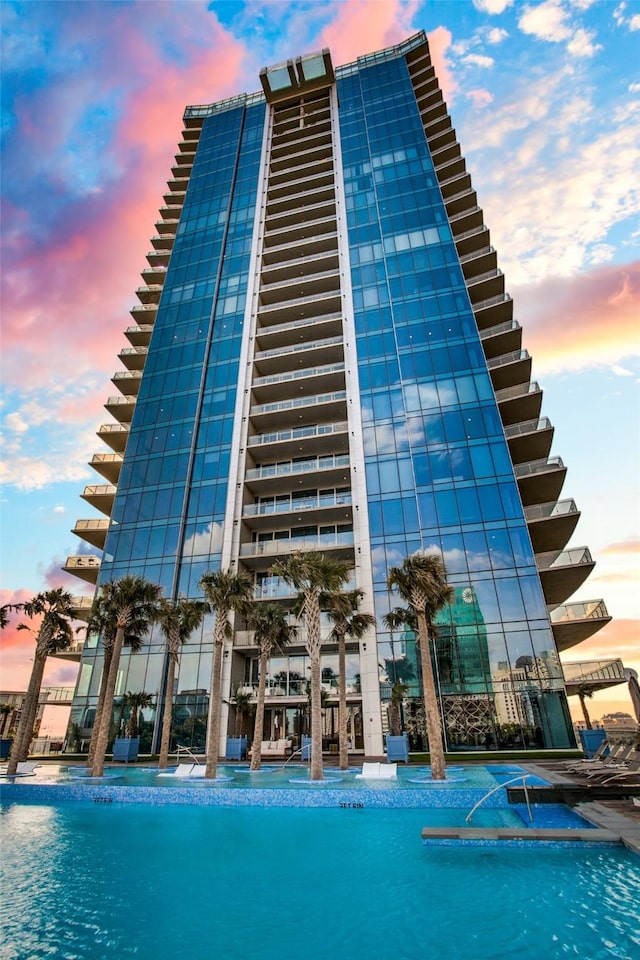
(505, 358)
(298, 433)
(567, 558)
(298, 374)
(587, 610)
(297, 324)
(499, 328)
(520, 390)
(490, 301)
(544, 511)
(297, 347)
(288, 545)
(298, 402)
(529, 426)
(538, 466)
(295, 503)
(298, 466)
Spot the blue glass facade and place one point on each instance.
(262, 225)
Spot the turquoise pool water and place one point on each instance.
(85, 881)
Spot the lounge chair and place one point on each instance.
(26, 768)
(603, 751)
(620, 771)
(186, 771)
(617, 756)
(378, 771)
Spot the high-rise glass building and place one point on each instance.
(325, 357)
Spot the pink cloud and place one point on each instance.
(363, 26)
(631, 546)
(480, 98)
(573, 322)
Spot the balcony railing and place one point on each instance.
(544, 511)
(299, 466)
(298, 374)
(296, 503)
(298, 402)
(270, 548)
(297, 324)
(567, 558)
(506, 358)
(587, 610)
(298, 433)
(476, 253)
(490, 301)
(520, 390)
(529, 426)
(297, 347)
(538, 466)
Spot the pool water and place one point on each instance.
(89, 882)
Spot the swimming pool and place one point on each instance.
(86, 881)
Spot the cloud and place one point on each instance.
(599, 318)
(478, 60)
(634, 22)
(631, 546)
(362, 26)
(621, 371)
(496, 35)
(480, 98)
(581, 44)
(547, 21)
(492, 6)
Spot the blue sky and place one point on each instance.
(546, 100)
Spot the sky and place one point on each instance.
(545, 98)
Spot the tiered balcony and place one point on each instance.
(115, 435)
(551, 525)
(297, 383)
(85, 567)
(100, 496)
(163, 241)
(316, 508)
(561, 574)
(144, 314)
(330, 470)
(150, 294)
(108, 465)
(337, 543)
(290, 190)
(460, 197)
(481, 286)
(473, 240)
(121, 408)
(302, 411)
(502, 339)
(308, 284)
(329, 350)
(139, 335)
(158, 258)
(540, 480)
(133, 358)
(127, 382)
(479, 261)
(322, 437)
(510, 369)
(153, 275)
(493, 310)
(282, 335)
(574, 622)
(519, 403)
(288, 311)
(81, 610)
(294, 268)
(92, 531)
(530, 440)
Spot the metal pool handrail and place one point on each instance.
(189, 753)
(499, 786)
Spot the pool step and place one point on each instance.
(519, 833)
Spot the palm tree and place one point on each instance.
(137, 701)
(342, 610)
(421, 582)
(271, 632)
(398, 693)
(585, 692)
(313, 574)
(125, 609)
(177, 622)
(56, 610)
(243, 705)
(224, 591)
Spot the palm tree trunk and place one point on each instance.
(24, 733)
(163, 760)
(585, 712)
(342, 702)
(102, 740)
(316, 717)
(434, 729)
(132, 725)
(106, 666)
(256, 747)
(213, 725)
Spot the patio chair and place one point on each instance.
(631, 768)
(618, 755)
(603, 750)
(378, 771)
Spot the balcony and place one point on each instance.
(329, 350)
(115, 435)
(100, 496)
(574, 622)
(81, 610)
(551, 525)
(139, 335)
(307, 381)
(503, 338)
(301, 412)
(310, 247)
(561, 574)
(287, 190)
(296, 234)
(299, 268)
(324, 438)
(320, 508)
(331, 470)
(310, 153)
(465, 220)
(84, 567)
(127, 382)
(473, 240)
(301, 287)
(541, 480)
(154, 275)
(478, 262)
(149, 294)
(519, 403)
(300, 171)
(121, 408)
(483, 286)
(133, 358)
(301, 308)
(509, 369)
(167, 228)
(92, 531)
(72, 654)
(493, 310)
(108, 465)
(144, 314)
(318, 194)
(341, 544)
(158, 258)
(530, 440)
(282, 335)
(163, 241)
